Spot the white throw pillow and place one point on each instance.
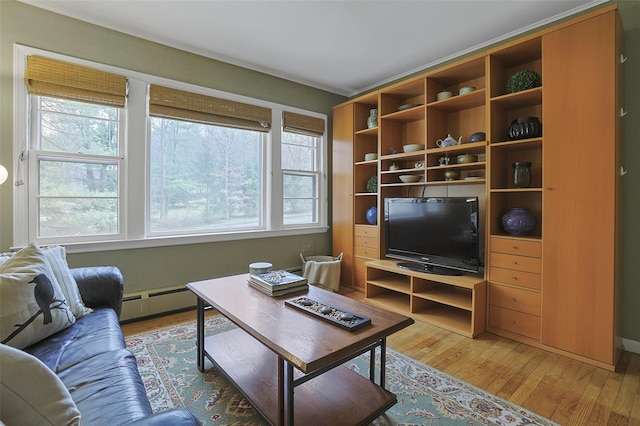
(31, 394)
(57, 258)
(32, 305)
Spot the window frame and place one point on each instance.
(135, 167)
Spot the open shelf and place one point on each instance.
(456, 303)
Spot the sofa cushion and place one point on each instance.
(57, 258)
(31, 394)
(32, 305)
(101, 374)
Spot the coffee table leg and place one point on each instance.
(372, 364)
(200, 334)
(383, 361)
(288, 393)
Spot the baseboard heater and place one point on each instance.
(156, 302)
(163, 301)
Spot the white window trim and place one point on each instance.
(135, 197)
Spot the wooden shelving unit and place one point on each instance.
(575, 191)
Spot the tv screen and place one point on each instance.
(435, 234)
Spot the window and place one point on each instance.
(301, 167)
(75, 152)
(205, 177)
(142, 161)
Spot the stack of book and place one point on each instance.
(277, 283)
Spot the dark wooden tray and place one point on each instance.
(337, 316)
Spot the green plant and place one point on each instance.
(372, 184)
(523, 80)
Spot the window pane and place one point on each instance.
(300, 199)
(77, 127)
(299, 186)
(204, 177)
(300, 211)
(63, 217)
(298, 152)
(73, 179)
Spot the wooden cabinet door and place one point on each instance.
(342, 211)
(579, 201)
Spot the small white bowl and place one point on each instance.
(413, 147)
(467, 89)
(410, 178)
(370, 156)
(259, 267)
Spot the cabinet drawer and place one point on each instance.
(515, 322)
(366, 242)
(514, 277)
(516, 247)
(366, 231)
(370, 252)
(514, 298)
(518, 263)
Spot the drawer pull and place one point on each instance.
(513, 299)
(515, 247)
(515, 263)
(514, 278)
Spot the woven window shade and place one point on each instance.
(178, 104)
(50, 77)
(299, 123)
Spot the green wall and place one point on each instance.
(157, 267)
(167, 266)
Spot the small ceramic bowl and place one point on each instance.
(413, 147)
(370, 156)
(444, 95)
(477, 137)
(467, 89)
(259, 267)
(452, 175)
(410, 178)
(467, 158)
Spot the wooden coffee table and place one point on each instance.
(277, 348)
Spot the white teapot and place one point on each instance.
(448, 141)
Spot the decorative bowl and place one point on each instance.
(410, 178)
(466, 89)
(467, 158)
(452, 175)
(413, 147)
(370, 156)
(445, 94)
(477, 137)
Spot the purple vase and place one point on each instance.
(519, 221)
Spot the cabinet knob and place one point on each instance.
(549, 188)
(514, 278)
(515, 247)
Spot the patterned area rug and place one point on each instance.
(426, 396)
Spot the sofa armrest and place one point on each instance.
(100, 286)
(175, 417)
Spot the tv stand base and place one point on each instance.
(428, 269)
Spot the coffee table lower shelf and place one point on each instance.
(339, 396)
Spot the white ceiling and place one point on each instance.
(343, 46)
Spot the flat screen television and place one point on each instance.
(437, 235)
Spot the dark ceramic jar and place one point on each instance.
(525, 128)
(522, 174)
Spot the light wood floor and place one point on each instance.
(566, 391)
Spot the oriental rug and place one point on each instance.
(426, 396)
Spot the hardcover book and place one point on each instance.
(278, 279)
(276, 291)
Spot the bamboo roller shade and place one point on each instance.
(299, 123)
(179, 104)
(50, 77)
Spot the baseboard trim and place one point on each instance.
(631, 346)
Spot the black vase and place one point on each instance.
(525, 128)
